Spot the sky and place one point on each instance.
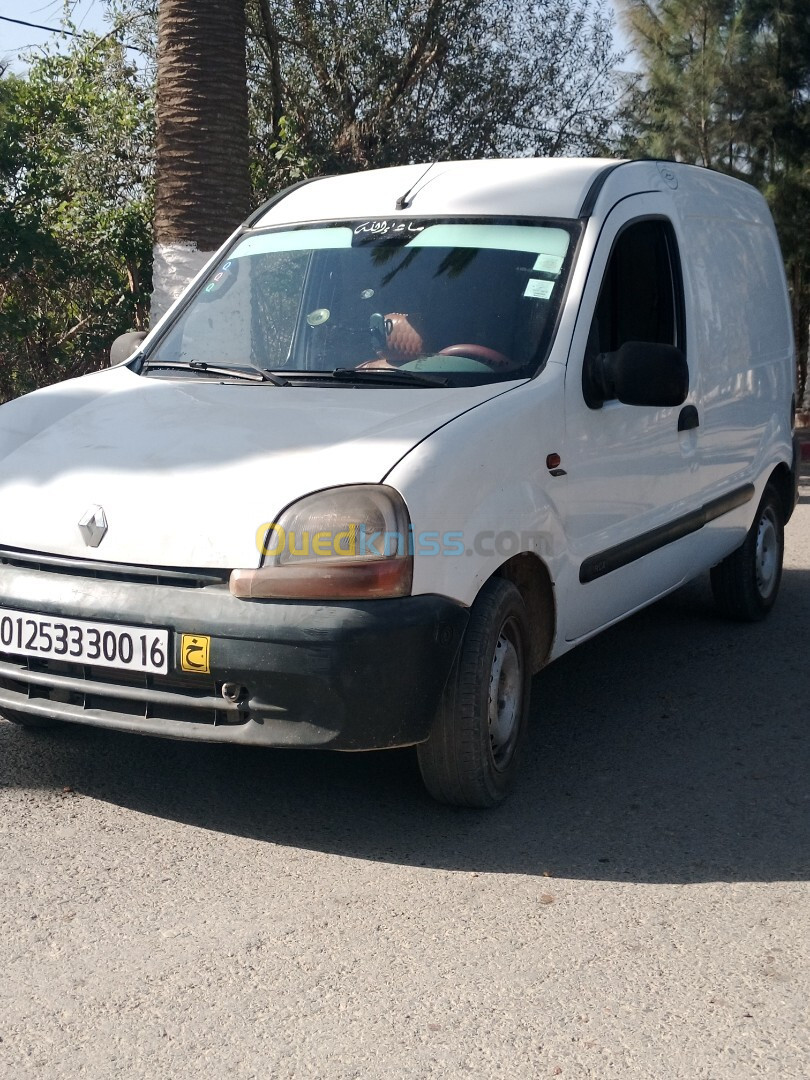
(87, 15)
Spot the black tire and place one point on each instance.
(39, 723)
(469, 760)
(746, 583)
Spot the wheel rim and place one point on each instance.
(505, 695)
(767, 555)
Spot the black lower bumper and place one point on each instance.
(344, 675)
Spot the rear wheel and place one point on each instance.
(746, 583)
(474, 747)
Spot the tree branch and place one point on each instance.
(73, 330)
(276, 82)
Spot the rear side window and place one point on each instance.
(641, 295)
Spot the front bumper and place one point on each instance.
(344, 675)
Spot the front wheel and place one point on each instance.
(474, 747)
(745, 584)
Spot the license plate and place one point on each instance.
(84, 641)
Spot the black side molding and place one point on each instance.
(592, 194)
(622, 554)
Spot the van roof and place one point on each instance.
(494, 187)
(534, 187)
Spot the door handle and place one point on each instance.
(688, 418)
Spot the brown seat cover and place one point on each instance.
(403, 343)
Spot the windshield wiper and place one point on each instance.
(392, 376)
(254, 375)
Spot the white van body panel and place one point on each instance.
(187, 472)
(628, 469)
(471, 478)
(741, 340)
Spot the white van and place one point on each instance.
(410, 436)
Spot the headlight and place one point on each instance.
(344, 543)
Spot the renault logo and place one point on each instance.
(93, 526)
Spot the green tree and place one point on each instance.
(75, 206)
(777, 101)
(341, 86)
(686, 103)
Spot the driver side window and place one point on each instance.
(641, 294)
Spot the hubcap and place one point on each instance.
(767, 555)
(505, 697)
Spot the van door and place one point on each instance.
(632, 475)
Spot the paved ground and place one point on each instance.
(639, 909)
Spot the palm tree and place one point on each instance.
(202, 183)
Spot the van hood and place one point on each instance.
(187, 470)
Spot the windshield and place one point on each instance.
(470, 301)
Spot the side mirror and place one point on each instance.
(125, 345)
(639, 373)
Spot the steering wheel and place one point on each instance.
(490, 357)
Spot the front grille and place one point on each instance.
(124, 694)
(189, 578)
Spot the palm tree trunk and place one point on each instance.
(202, 183)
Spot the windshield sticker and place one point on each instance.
(549, 264)
(539, 290)
(222, 279)
(388, 228)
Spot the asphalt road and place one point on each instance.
(639, 908)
